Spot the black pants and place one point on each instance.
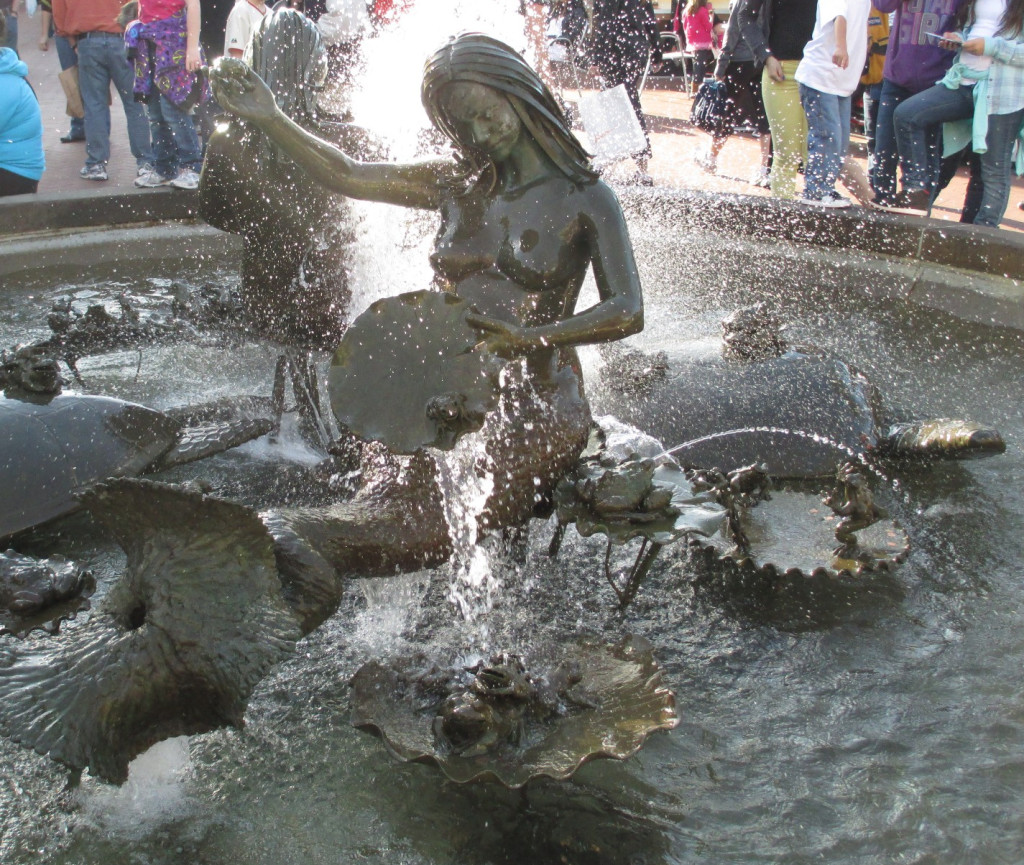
(15, 184)
(743, 83)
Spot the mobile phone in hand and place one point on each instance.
(938, 37)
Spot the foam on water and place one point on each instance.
(155, 792)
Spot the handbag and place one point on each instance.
(612, 127)
(710, 111)
(72, 95)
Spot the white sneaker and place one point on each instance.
(760, 178)
(829, 200)
(151, 179)
(186, 179)
(707, 162)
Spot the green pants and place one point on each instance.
(789, 129)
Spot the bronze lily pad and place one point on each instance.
(410, 373)
(616, 703)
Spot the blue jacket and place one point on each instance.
(21, 126)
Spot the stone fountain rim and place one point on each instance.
(991, 261)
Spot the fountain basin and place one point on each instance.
(891, 713)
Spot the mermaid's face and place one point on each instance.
(483, 119)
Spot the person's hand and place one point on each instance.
(241, 91)
(193, 62)
(840, 58)
(500, 337)
(973, 46)
(44, 44)
(774, 67)
(953, 41)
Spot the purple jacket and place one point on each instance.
(911, 61)
(158, 52)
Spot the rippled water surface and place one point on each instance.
(887, 729)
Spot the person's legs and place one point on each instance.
(788, 127)
(996, 164)
(94, 82)
(883, 168)
(67, 58)
(182, 130)
(871, 94)
(15, 184)
(972, 198)
(165, 158)
(12, 32)
(825, 140)
(122, 73)
(916, 121)
(703, 63)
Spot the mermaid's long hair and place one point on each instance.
(480, 59)
(286, 51)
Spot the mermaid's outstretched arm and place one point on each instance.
(242, 92)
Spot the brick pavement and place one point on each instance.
(674, 143)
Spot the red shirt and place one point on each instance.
(157, 10)
(74, 17)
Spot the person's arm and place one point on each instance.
(840, 57)
(748, 18)
(242, 92)
(1000, 49)
(192, 60)
(619, 312)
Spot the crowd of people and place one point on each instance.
(942, 83)
(942, 80)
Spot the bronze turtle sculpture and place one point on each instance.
(55, 444)
(752, 399)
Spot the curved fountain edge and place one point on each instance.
(990, 261)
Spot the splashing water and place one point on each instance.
(389, 606)
(387, 97)
(465, 490)
(154, 794)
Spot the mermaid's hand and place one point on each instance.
(501, 337)
(241, 91)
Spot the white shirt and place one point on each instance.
(242, 23)
(817, 69)
(987, 15)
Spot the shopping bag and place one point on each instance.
(612, 127)
(710, 110)
(72, 95)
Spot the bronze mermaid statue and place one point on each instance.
(524, 219)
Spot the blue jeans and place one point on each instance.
(175, 143)
(996, 165)
(883, 170)
(102, 60)
(938, 105)
(12, 32)
(828, 139)
(918, 121)
(68, 57)
(872, 93)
